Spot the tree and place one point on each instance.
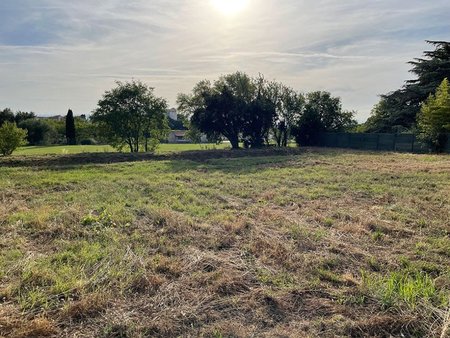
(308, 127)
(6, 115)
(11, 138)
(71, 136)
(322, 113)
(221, 116)
(131, 115)
(398, 110)
(22, 116)
(259, 116)
(234, 107)
(86, 131)
(434, 118)
(188, 104)
(289, 106)
(39, 131)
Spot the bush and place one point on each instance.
(11, 138)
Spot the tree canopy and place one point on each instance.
(322, 113)
(131, 115)
(289, 105)
(255, 111)
(397, 111)
(434, 118)
(6, 115)
(233, 107)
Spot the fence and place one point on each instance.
(382, 142)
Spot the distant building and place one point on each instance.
(180, 136)
(57, 117)
(172, 113)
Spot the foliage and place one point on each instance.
(176, 124)
(259, 116)
(70, 129)
(86, 131)
(39, 131)
(434, 118)
(321, 113)
(6, 115)
(11, 138)
(289, 106)
(398, 110)
(131, 115)
(234, 107)
(23, 116)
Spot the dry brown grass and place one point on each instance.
(257, 247)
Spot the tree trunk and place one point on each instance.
(276, 134)
(285, 139)
(234, 142)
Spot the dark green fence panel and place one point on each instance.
(382, 142)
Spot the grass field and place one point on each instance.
(64, 150)
(312, 243)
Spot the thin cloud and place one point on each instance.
(57, 54)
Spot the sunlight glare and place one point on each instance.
(230, 7)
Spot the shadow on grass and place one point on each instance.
(71, 161)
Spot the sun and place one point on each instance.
(230, 7)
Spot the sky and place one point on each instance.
(57, 54)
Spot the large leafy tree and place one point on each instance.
(434, 118)
(221, 116)
(398, 110)
(322, 113)
(131, 115)
(233, 107)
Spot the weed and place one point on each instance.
(98, 219)
(403, 287)
(328, 222)
(378, 235)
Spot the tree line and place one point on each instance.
(245, 110)
(236, 107)
(256, 112)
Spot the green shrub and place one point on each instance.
(11, 138)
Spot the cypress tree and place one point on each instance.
(70, 129)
